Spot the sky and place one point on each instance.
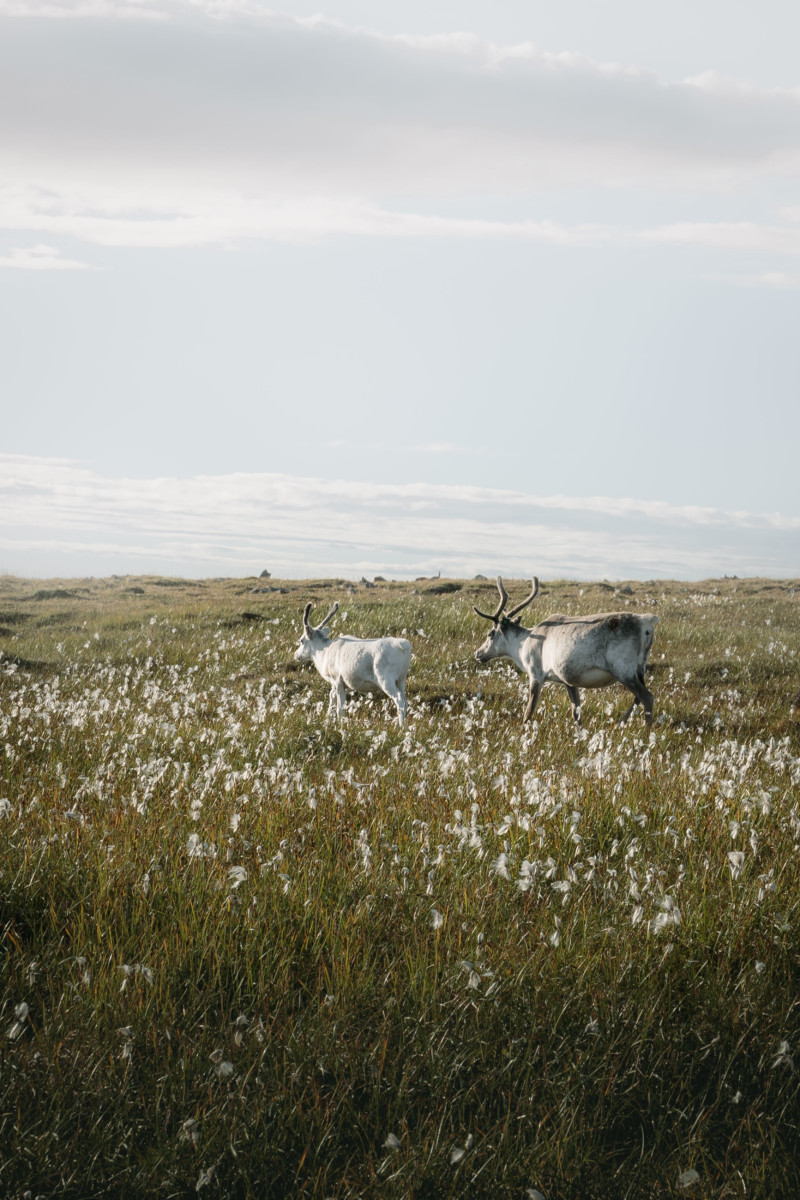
(400, 288)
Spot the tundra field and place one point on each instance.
(248, 952)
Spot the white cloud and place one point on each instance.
(777, 280)
(119, 132)
(207, 218)
(212, 219)
(448, 448)
(744, 236)
(40, 258)
(67, 519)
(83, 9)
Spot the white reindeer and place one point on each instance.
(578, 652)
(365, 665)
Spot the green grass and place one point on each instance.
(613, 1004)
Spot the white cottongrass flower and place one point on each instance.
(533, 1194)
(392, 1142)
(760, 968)
(437, 919)
(459, 1152)
(131, 970)
(235, 821)
(190, 1131)
(15, 1029)
(527, 876)
(196, 848)
(236, 876)
(126, 1033)
(204, 1179)
(766, 883)
(670, 915)
(500, 866)
(736, 862)
(363, 848)
(783, 1057)
(5, 808)
(222, 1067)
(473, 978)
(687, 1179)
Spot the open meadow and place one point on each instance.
(248, 952)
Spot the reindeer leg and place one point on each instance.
(641, 695)
(402, 703)
(395, 693)
(533, 700)
(575, 697)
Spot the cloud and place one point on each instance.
(104, 218)
(59, 517)
(746, 236)
(184, 124)
(40, 258)
(448, 448)
(778, 280)
(204, 218)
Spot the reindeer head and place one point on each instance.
(496, 644)
(313, 637)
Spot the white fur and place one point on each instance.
(363, 665)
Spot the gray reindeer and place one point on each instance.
(578, 652)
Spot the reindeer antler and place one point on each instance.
(525, 602)
(331, 614)
(509, 616)
(309, 628)
(495, 616)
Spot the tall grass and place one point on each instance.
(250, 953)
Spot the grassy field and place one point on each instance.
(247, 952)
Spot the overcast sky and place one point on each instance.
(400, 287)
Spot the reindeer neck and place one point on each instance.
(516, 637)
(321, 644)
